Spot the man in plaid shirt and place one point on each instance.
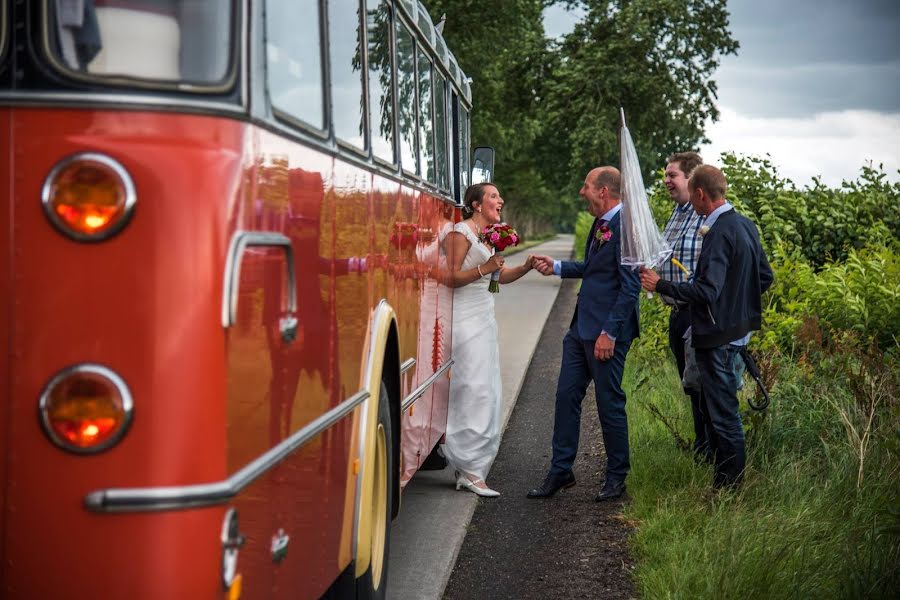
(683, 235)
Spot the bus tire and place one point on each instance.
(372, 585)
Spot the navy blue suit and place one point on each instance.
(607, 302)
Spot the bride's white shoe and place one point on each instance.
(485, 492)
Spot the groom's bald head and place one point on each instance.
(608, 177)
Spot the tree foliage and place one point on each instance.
(550, 107)
(655, 59)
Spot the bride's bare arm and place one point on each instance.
(457, 246)
(510, 274)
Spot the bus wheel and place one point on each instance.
(372, 585)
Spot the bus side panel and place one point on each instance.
(147, 304)
(276, 388)
(439, 222)
(6, 320)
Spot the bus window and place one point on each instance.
(426, 135)
(347, 98)
(440, 129)
(406, 84)
(381, 107)
(165, 40)
(463, 148)
(293, 51)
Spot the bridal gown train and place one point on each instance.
(473, 418)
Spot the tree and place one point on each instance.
(654, 58)
(500, 44)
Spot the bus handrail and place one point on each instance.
(208, 494)
(419, 391)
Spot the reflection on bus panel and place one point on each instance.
(224, 289)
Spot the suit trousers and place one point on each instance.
(720, 396)
(579, 368)
(679, 321)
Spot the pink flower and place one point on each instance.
(495, 236)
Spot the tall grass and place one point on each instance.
(804, 525)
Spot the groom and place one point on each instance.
(594, 348)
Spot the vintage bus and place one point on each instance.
(225, 324)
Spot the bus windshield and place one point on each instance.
(162, 41)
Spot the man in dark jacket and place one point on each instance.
(725, 299)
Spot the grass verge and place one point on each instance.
(813, 520)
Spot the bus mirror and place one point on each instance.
(483, 165)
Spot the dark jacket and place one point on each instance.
(608, 300)
(725, 293)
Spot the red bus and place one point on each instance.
(224, 314)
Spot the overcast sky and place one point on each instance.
(815, 83)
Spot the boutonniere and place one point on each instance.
(603, 234)
(704, 229)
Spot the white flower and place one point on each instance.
(704, 229)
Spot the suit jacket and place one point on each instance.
(725, 294)
(608, 300)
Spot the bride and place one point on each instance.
(473, 419)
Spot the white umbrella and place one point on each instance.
(642, 244)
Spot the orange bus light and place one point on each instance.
(85, 409)
(88, 196)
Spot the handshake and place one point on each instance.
(543, 264)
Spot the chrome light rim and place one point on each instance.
(121, 173)
(94, 369)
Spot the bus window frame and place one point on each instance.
(266, 116)
(394, 165)
(428, 56)
(365, 151)
(325, 132)
(415, 100)
(4, 26)
(235, 62)
(439, 78)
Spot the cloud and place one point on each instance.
(804, 89)
(831, 145)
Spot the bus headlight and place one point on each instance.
(85, 409)
(88, 196)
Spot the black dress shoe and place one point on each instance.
(611, 490)
(552, 484)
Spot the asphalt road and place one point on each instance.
(433, 520)
(567, 546)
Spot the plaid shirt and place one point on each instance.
(682, 233)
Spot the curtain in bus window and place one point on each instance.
(406, 84)
(345, 53)
(426, 133)
(293, 51)
(440, 129)
(381, 109)
(163, 40)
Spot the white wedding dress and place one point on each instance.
(473, 418)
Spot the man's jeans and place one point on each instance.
(679, 321)
(720, 397)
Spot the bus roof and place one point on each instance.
(418, 15)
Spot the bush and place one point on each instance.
(817, 515)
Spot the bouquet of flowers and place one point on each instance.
(501, 236)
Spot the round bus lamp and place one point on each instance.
(88, 196)
(85, 409)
